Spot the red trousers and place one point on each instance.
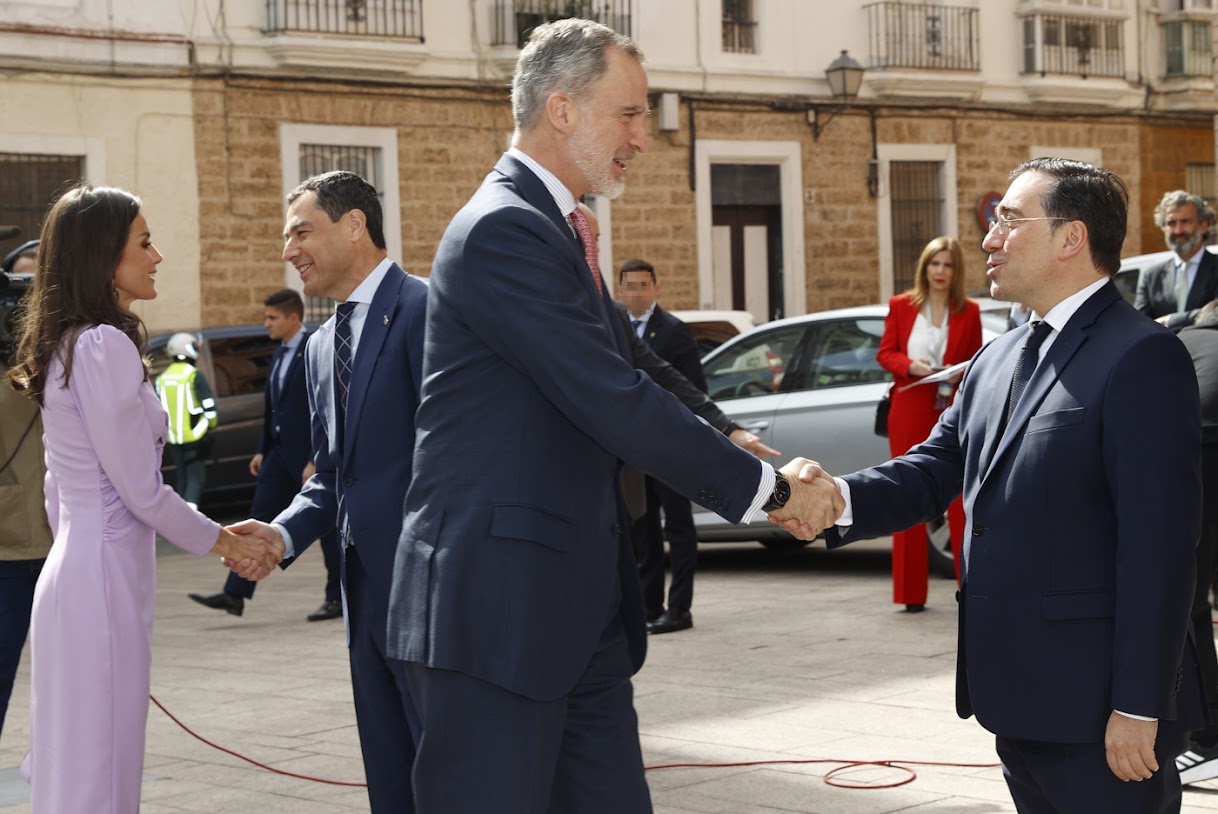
(911, 418)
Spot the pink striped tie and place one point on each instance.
(584, 229)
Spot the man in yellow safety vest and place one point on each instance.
(187, 397)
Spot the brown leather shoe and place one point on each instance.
(328, 610)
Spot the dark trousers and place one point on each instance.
(384, 712)
(1202, 616)
(190, 469)
(1074, 778)
(277, 484)
(485, 749)
(682, 536)
(17, 580)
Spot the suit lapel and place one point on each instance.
(371, 338)
(536, 195)
(1064, 347)
(293, 362)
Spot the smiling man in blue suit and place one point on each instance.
(1078, 571)
(364, 369)
(516, 604)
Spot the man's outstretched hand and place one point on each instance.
(816, 503)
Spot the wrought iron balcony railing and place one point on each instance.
(399, 19)
(1087, 46)
(927, 36)
(515, 19)
(1188, 48)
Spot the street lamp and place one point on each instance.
(845, 77)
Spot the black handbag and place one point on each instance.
(881, 415)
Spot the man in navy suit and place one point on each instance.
(363, 368)
(1175, 292)
(516, 602)
(1078, 572)
(284, 459)
(672, 341)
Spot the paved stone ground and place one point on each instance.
(794, 656)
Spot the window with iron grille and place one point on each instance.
(379, 18)
(29, 184)
(916, 192)
(516, 19)
(739, 27)
(924, 35)
(1060, 44)
(364, 162)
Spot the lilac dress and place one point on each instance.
(91, 631)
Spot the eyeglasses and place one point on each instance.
(1002, 223)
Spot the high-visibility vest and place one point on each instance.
(190, 417)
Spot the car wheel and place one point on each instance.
(939, 545)
(784, 543)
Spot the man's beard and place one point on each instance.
(1186, 247)
(595, 163)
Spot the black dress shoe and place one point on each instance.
(914, 608)
(328, 610)
(671, 621)
(653, 615)
(221, 601)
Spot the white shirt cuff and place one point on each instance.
(1135, 717)
(847, 519)
(764, 490)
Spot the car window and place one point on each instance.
(755, 365)
(844, 353)
(241, 364)
(1127, 283)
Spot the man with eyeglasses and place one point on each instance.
(1078, 572)
(1175, 292)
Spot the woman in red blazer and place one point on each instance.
(933, 325)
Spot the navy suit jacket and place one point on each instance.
(515, 554)
(1156, 295)
(289, 411)
(361, 478)
(1083, 519)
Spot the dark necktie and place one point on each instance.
(342, 361)
(636, 324)
(584, 229)
(1029, 354)
(276, 361)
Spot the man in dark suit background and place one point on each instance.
(1174, 292)
(364, 369)
(1200, 762)
(673, 341)
(1078, 575)
(284, 460)
(516, 603)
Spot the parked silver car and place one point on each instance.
(809, 385)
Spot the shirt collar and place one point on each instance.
(366, 290)
(297, 338)
(646, 315)
(1060, 314)
(557, 189)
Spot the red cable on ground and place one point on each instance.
(903, 765)
(847, 764)
(194, 734)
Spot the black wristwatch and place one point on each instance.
(731, 427)
(780, 495)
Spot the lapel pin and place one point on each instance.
(386, 318)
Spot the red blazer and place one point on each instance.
(963, 340)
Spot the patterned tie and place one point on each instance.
(342, 361)
(1029, 354)
(584, 229)
(1181, 284)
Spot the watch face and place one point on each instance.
(782, 491)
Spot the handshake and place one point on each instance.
(815, 503)
(251, 548)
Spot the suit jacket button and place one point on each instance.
(348, 481)
(977, 529)
(617, 530)
(702, 493)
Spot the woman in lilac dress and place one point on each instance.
(80, 357)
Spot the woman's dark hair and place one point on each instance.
(82, 242)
